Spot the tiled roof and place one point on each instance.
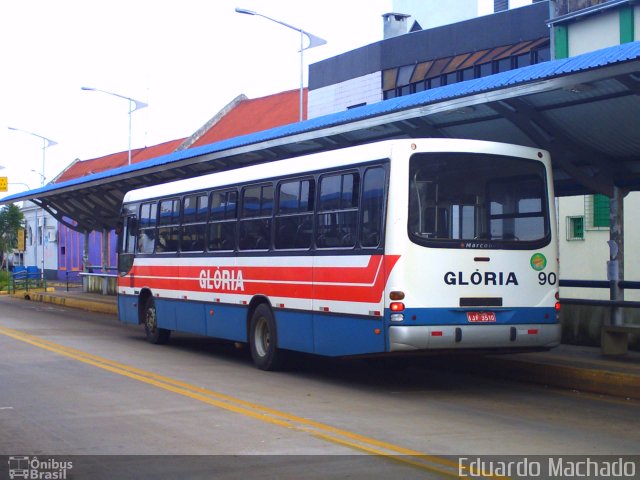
(155, 150)
(248, 116)
(80, 168)
(256, 115)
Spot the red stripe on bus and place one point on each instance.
(356, 284)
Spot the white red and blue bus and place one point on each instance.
(396, 246)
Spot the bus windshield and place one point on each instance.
(477, 201)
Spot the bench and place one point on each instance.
(103, 283)
(615, 338)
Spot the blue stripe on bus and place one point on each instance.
(339, 335)
(320, 333)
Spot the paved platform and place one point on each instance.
(567, 366)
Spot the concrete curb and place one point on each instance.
(88, 305)
(593, 380)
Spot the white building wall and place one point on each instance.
(583, 259)
(632, 240)
(341, 96)
(40, 246)
(636, 23)
(594, 33)
(586, 259)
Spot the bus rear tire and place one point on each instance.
(155, 335)
(263, 340)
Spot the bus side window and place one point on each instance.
(147, 227)
(194, 216)
(294, 214)
(130, 229)
(168, 229)
(222, 221)
(255, 225)
(371, 216)
(337, 218)
(127, 236)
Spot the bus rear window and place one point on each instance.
(477, 201)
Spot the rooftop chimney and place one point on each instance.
(395, 24)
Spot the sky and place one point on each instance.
(186, 59)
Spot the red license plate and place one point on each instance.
(481, 317)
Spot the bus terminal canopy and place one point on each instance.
(585, 110)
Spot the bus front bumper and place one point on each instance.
(427, 337)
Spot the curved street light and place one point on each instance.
(46, 143)
(314, 41)
(133, 106)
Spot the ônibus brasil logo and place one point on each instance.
(36, 469)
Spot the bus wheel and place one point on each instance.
(155, 335)
(263, 340)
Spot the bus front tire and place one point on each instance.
(263, 340)
(155, 335)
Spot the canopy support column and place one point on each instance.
(615, 266)
(105, 261)
(85, 261)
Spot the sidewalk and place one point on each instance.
(567, 366)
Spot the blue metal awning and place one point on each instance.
(585, 110)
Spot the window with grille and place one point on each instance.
(575, 228)
(596, 208)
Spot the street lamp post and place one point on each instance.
(133, 106)
(46, 143)
(314, 41)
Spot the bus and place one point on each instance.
(394, 247)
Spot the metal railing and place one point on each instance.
(26, 279)
(623, 284)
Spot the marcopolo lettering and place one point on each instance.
(221, 280)
(477, 245)
(481, 278)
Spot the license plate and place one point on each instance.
(481, 317)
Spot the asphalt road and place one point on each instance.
(79, 384)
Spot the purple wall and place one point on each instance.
(70, 246)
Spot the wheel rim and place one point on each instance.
(262, 337)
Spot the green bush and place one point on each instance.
(3, 280)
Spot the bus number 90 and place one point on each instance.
(547, 278)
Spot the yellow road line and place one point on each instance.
(260, 412)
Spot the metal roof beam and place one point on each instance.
(632, 82)
(543, 133)
(62, 218)
(88, 214)
(420, 127)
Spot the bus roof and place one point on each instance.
(323, 160)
